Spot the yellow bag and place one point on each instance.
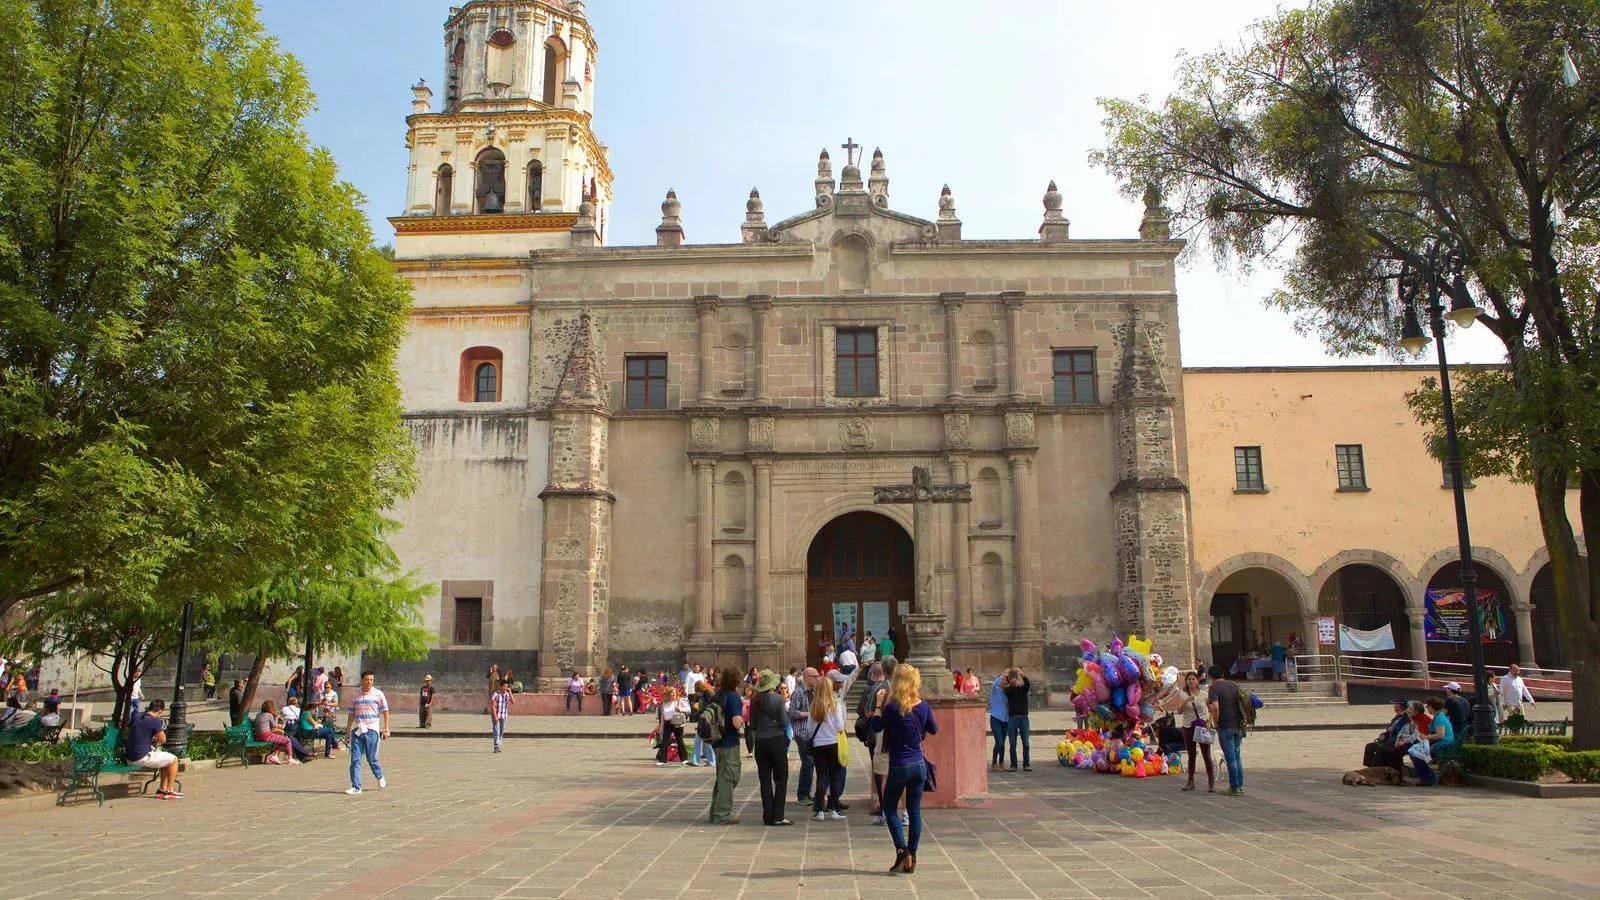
(844, 750)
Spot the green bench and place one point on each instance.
(28, 733)
(92, 759)
(1547, 728)
(242, 741)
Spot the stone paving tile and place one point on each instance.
(588, 820)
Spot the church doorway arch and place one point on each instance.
(859, 571)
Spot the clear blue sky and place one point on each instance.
(712, 97)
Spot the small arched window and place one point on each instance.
(535, 186)
(480, 380)
(986, 498)
(555, 69)
(444, 188)
(487, 381)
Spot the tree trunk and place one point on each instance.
(1578, 629)
(251, 683)
(119, 688)
(1580, 621)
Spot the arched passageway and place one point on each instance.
(858, 576)
(1251, 609)
(1366, 597)
(1445, 624)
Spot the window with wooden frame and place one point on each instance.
(1247, 470)
(1074, 377)
(1352, 467)
(855, 360)
(647, 382)
(469, 620)
(480, 379)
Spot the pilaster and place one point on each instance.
(705, 308)
(760, 305)
(952, 343)
(1013, 301)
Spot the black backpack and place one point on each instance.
(711, 724)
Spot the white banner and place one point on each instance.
(1354, 640)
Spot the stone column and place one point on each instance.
(760, 305)
(960, 548)
(952, 348)
(762, 629)
(1013, 302)
(1419, 640)
(1025, 501)
(1524, 614)
(705, 520)
(706, 308)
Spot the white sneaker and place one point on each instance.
(877, 820)
(383, 782)
(658, 763)
(820, 816)
(352, 791)
(836, 816)
(905, 820)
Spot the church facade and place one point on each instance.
(642, 454)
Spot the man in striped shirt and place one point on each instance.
(499, 708)
(368, 723)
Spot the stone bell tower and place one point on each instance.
(509, 155)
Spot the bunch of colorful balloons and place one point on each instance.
(1122, 684)
(1128, 755)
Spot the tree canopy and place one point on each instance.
(1337, 140)
(197, 388)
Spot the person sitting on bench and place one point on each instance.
(145, 737)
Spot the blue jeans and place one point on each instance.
(703, 755)
(1016, 727)
(802, 788)
(326, 733)
(908, 780)
(998, 727)
(364, 744)
(1425, 773)
(133, 709)
(497, 727)
(1230, 738)
(570, 695)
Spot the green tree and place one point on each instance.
(362, 600)
(197, 391)
(1349, 133)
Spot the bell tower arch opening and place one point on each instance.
(859, 571)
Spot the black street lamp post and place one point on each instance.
(177, 720)
(1419, 287)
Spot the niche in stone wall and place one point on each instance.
(732, 590)
(985, 361)
(992, 580)
(731, 364)
(851, 262)
(732, 507)
(986, 500)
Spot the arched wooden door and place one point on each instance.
(858, 575)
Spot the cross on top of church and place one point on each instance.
(850, 147)
(922, 493)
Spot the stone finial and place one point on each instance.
(824, 178)
(420, 95)
(670, 232)
(584, 233)
(1054, 229)
(581, 384)
(949, 226)
(878, 181)
(1157, 222)
(576, 8)
(850, 179)
(754, 229)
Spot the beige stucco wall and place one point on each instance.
(1296, 416)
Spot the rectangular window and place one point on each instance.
(1074, 374)
(856, 362)
(1352, 469)
(647, 382)
(469, 620)
(1466, 477)
(1247, 469)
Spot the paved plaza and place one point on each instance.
(579, 818)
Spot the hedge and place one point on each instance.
(1529, 758)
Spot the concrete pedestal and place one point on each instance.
(961, 753)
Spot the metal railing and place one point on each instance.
(1547, 682)
(1315, 667)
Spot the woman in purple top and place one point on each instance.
(904, 719)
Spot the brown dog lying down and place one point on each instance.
(1373, 775)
